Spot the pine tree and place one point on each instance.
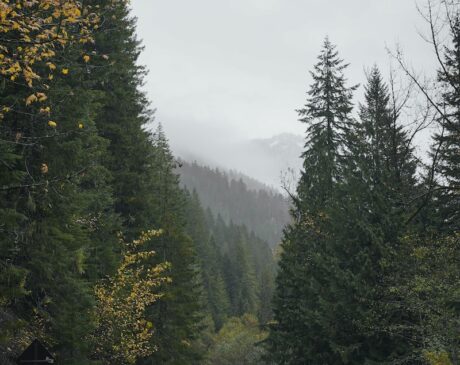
(369, 222)
(429, 287)
(178, 315)
(447, 246)
(449, 152)
(123, 115)
(306, 317)
(327, 115)
(209, 256)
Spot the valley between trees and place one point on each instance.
(114, 252)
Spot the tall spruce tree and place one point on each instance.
(368, 223)
(123, 114)
(449, 155)
(145, 188)
(449, 197)
(304, 309)
(178, 315)
(430, 287)
(328, 120)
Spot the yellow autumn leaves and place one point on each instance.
(33, 32)
(41, 26)
(41, 97)
(437, 358)
(123, 333)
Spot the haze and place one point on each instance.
(237, 70)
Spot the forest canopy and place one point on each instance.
(114, 252)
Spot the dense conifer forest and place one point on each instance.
(114, 252)
(227, 194)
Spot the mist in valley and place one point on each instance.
(246, 182)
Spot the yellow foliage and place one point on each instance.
(40, 36)
(31, 99)
(41, 97)
(52, 124)
(437, 358)
(123, 333)
(44, 168)
(46, 110)
(51, 66)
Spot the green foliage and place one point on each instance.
(210, 260)
(447, 141)
(178, 316)
(367, 274)
(328, 119)
(308, 327)
(334, 301)
(57, 207)
(429, 289)
(238, 342)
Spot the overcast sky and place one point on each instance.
(239, 68)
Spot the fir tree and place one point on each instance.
(123, 115)
(449, 151)
(327, 115)
(306, 317)
(209, 256)
(178, 315)
(368, 223)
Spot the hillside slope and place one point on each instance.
(263, 210)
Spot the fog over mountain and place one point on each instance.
(269, 160)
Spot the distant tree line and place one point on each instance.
(265, 211)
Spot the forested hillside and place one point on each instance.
(104, 257)
(263, 210)
(268, 160)
(113, 252)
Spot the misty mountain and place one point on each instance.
(262, 210)
(271, 161)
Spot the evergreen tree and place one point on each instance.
(244, 298)
(304, 310)
(429, 287)
(210, 260)
(368, 223)
(62, 205)
(178, 315)
(449, 152)
(123, 115)
(327, 115)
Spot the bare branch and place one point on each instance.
(434, 35)
(423, 89)
(431, 183)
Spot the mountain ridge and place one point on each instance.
(267, 160)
